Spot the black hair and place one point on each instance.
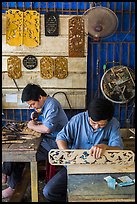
(32, 92)
(100, 109)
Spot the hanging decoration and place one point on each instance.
(51, 24)
(118, 85)
(14, 27)
(30, 62)
(47, 67)
(76, 37)
(22, 28)
(14, 67)
(61, 67)
(31, 28)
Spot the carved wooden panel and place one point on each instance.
(51, 24)
(76, 37)
(30, 62)
(47, 67)
(14, 67)
(67, 157)
(61, 67)
(14, 27)
(31, 28)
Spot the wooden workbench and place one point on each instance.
(86, 175)
(93, 188)
(24, 152)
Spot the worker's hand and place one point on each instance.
(31, 124)
(98, 150)
(34, 115)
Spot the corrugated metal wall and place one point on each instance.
(120, 47)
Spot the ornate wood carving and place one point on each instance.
(113, 157)
(76, 37)
(22, 28)
(61, 67)
(46, 67)
(14, 67)
(30, 62)
(14, 27)
(31, 28)
(51, 24)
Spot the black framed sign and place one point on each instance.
(51, 24)
(30, 62)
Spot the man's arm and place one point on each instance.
(45, 127)
(62, 144)
(38, 127)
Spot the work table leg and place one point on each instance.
(34, 182)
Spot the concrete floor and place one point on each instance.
(27, 196)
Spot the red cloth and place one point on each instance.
(50, 171)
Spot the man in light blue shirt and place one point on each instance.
(53, 119)
(96, 130)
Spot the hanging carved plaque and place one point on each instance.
(30, 62)
(61, 67)
(14, 67)
(76, 37)
(47, 67)
(51, 24)
(31, 28)
(14, 27)
(67, 157)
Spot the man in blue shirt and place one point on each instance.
(53, 119)
(96, 130)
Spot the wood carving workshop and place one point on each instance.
(68, 101)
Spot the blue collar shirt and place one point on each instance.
(53, 116)
(79, 134)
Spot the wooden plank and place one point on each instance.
(98, 169)
(34, 182)
(22, 156)
(73, 81)
(45, 48)
(12, 141)
(24, 152)
(76, 97)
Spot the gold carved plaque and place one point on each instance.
(14, 27)
(14, 67)
(61, 67)
(76, 37)
(47, 67)
(22, 28)
(31, 28)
